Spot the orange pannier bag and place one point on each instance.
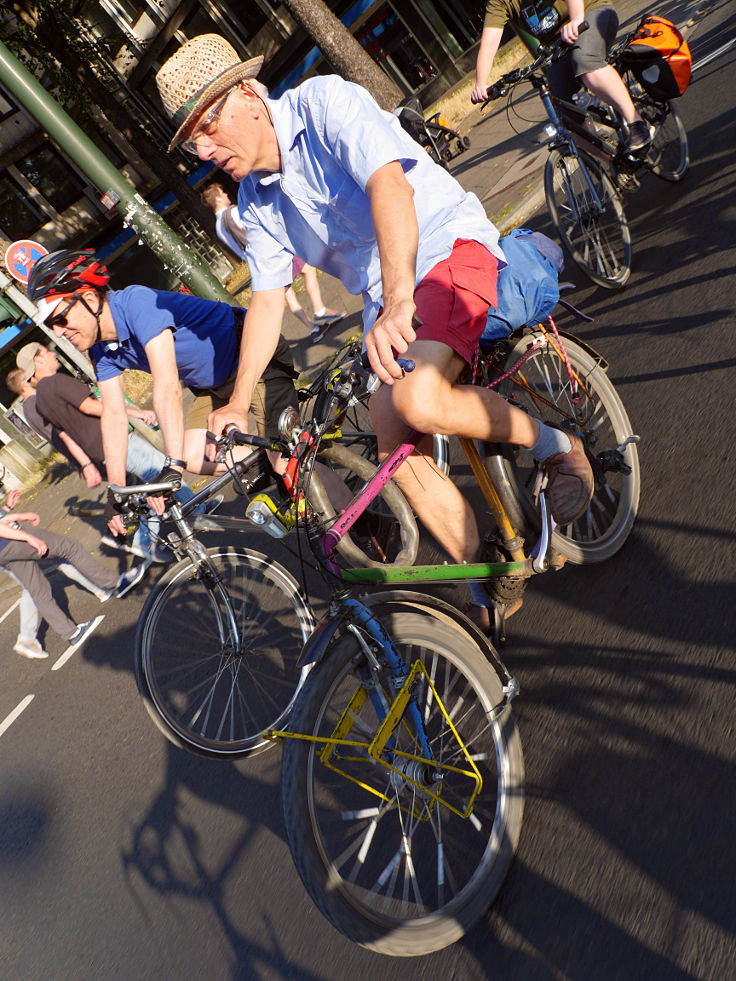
(659, 58)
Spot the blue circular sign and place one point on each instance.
(20, 256)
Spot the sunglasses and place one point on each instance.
(59, 319)
(206, 125)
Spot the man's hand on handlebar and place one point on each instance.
(391, 334)
(479, 94)
(220, 420)
(571, 30)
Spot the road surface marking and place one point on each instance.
(8, 612)
(20, 707)
(71, 649)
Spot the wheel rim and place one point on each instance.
(596, 237)
(221, 664)
(543, 387)
(401, 861)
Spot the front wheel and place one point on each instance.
(399, 854)
(589, 405)
(587, 212)
(217, 651)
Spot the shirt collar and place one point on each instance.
(288, 125)
(121, 326)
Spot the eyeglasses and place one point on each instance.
(59, 319)
(206, 125)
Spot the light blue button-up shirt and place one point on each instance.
(333, 137)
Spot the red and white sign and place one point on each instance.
(20, 256)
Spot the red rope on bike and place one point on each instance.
(525, 356)
(573, 381)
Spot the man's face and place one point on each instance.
(45, 361)
(72, 319)
(240, 139)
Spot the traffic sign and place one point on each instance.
(20, 256)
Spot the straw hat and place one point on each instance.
(201, 71)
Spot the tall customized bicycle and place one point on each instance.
(402, 778)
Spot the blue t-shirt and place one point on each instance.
(206, 344)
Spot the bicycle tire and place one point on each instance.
(209, 695)
(598, 244)
(452, 867)
(542, 387)
(668, 156)
(402, 527)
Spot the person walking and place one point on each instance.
(20, 551)
(231, 230)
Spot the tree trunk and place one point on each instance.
(343, 52)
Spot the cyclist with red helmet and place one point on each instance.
(177, 338)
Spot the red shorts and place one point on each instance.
(453, 298)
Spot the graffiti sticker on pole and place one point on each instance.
(20, 256)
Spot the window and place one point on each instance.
(19, 216)
(7, 108)
(52, 176)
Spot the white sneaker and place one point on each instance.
(29, 648)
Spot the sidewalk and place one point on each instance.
(502, 167)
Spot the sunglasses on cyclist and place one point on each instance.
(60, 319)
(206, 125)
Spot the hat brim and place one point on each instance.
(195, 106)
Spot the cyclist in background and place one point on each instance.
(177, 338)
(537, 22)
(326, 174)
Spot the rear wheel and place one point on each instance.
(594, 410)
(587, 212)
(669, 155)
(384, 847)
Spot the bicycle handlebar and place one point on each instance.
(546, 54)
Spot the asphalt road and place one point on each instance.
(124, 858)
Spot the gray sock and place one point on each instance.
(549, 442)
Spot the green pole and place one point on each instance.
(136, 212)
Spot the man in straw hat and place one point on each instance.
(327, 175)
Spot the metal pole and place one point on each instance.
(136, 212)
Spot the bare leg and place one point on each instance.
(311, 284)
(608, 85)
(293, 304)
(429, 401)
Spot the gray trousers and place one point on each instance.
(21, 560)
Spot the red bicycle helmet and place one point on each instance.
(65, 272)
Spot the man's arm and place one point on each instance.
(92, 407)
(167, 400)
(397, 234)
(87, 468)
(261, 331)
(114, 426)
(489, 42)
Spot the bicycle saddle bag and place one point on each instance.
(527, 287)
(659, 58)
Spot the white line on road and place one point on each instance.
(714, 54)
(70, 650)
(20, 707)
(8, 612)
